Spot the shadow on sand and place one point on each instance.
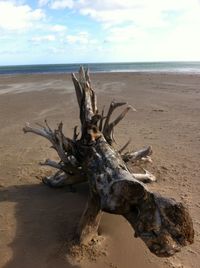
(45, 218)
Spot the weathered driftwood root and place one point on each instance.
(162, 223)
(89, 223)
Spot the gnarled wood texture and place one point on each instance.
(162, 223)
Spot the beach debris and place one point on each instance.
(89, 156)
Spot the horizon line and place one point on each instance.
(113, 62)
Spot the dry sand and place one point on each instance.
(36, 221)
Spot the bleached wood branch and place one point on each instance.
(147, 177)
(138, 155)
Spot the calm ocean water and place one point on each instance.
(183, 67)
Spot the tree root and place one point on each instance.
(162, 223)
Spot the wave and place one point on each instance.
(155, 67)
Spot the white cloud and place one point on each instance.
(79, 38)
(58, 28)
(140, 12)
(147, 30)
(56, 4)
(134, 4)
(144, 13)
(125, 34)
(18, 17)
(169, 32)
(38, 39)
(140, 17)
(43, 2)
(60, 4)
(128, 43)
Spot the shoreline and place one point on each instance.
(156, 72)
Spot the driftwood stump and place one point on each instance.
(162, 223)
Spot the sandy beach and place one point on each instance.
(36, 221)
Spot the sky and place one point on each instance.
(83, 31)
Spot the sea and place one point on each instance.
(166, 67)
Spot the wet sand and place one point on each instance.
(36, 221)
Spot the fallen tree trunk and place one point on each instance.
(162, 223)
